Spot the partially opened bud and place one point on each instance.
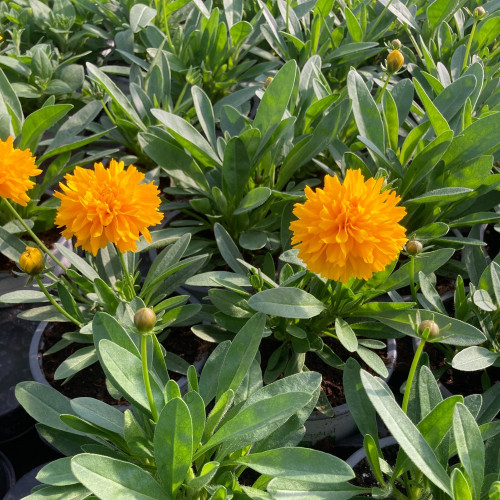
(268, 81)
(432, 326)
(414, 247)
(145, 320)
(31, 261)
(479, 12)
(394, 61)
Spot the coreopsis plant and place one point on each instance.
(349, 238)
(173, 446)
(107, 210)
(448, 448)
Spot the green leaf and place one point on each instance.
(79, 263)
(275, 100)
(110, 479)
(353, 25)
(444, 195)
(286, 303)
(346, 335)
(205, 114)
(173, 444)
(460, 486)
(235, 169)
(470, 446)
(99, 413)
(228, 249)
(188, 137)
(365, 110)
(140, 16)
(256, 421)
(116, 94)
(287, 489)
(23, 297)
(405, 432)
(442, 10)
(452, 331)
(76, 362)
(301, 464)
(241, 354)
(57, 473)
(69, 492)
(254, 198)
(209, 377)
(44, 404)
(427, 262)
(474, 358)
(38, 122)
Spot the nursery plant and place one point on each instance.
(327, 289)
(447, 447)
(170, 445)
(107, 210)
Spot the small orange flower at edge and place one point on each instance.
(107, 205)
(16, 168)
(350, 229)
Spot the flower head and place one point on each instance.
(394, 61)
(350, 229)
(107, 205)
(31, 261)
(16, 168)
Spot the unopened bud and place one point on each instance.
(394, 61)
(31, 261)
(479, 12)
(145, 320)
(414, 247)
(396, 44)
(432, 326)
(268, 81)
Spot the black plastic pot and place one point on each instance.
(23, 487)
(7, 475)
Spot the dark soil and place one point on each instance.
(456, 381)
(492, 240)
(7, 265)
(187, 346)
(364, 476)
(331, 383)
(89, 382)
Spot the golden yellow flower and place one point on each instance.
(394, 61)
(16, 168)
(31, 261)
(107, 205)
(348, 230)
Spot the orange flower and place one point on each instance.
(16, 168)
(348, 230)
(107, 205)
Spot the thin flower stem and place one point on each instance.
(414, 42)
(145, 376)
(412, 280)
(126, 276)
(379, 97)
(55, 304)
(469, 44)
(411, 375)
(34, 236)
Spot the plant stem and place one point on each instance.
(379, 98)
(34, 236)
(414, 42)
(126, 277)
(411, 375)
(412, 280)
(145, 376)
(55, 304)
(469, 44)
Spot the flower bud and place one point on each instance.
(145, 320)
(31, 261)
(494, 493)
(268, 81)
(394, 61)
(431, 326)
(396, 44)
(414, 247)
(479, 12)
